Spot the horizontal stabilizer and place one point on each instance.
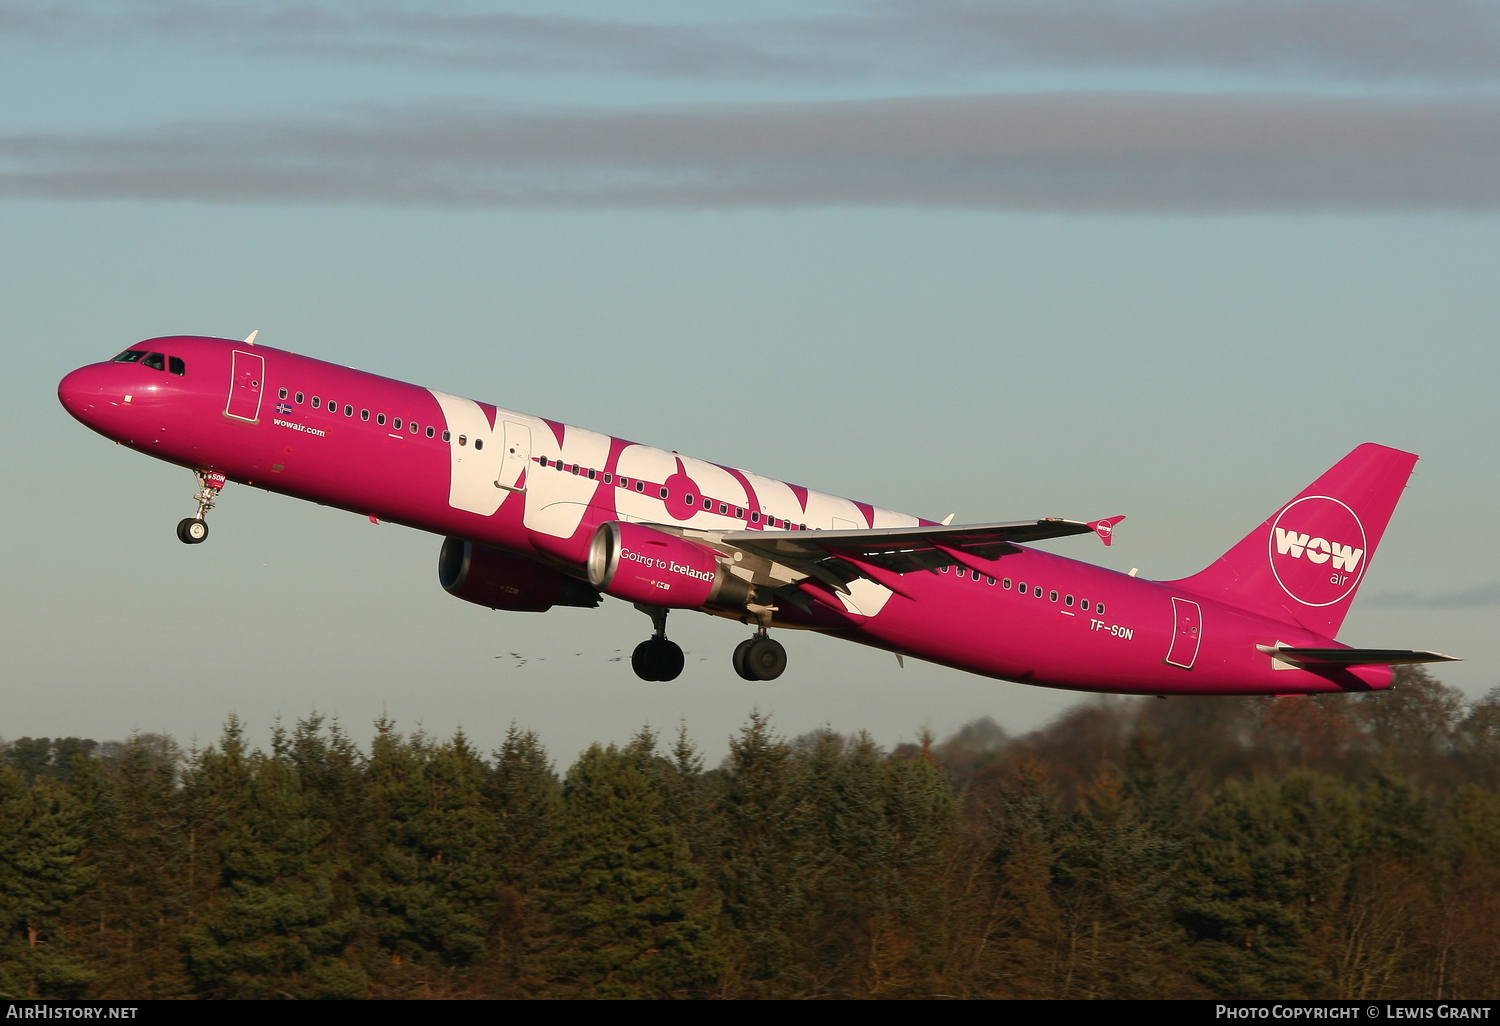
(1328, 658)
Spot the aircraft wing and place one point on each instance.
(900, 549)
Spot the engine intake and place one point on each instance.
(502, 580)
(642, 564)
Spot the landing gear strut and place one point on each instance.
(194, 529)
(656, 658)
(760, 657)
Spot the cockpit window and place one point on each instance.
(130, 356)
(175, 364)
(156, 361)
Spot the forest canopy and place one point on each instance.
(1343, 846)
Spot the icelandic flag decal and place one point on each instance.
(283, 408)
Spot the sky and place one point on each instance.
(1166, 258)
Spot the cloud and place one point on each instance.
(1094, 152)
(1471, 598)
(1434, 41)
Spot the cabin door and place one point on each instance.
(1187, 633)
(517, 455)
(245, 381)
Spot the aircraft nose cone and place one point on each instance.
(80, 392)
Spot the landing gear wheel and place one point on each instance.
(738, 659)
(192, 531)
(657, 659)
(764, 659)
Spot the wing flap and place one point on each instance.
(1319, 658)
(902, 549)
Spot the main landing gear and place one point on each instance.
(194, 529)
(759, 658)
(656, 658)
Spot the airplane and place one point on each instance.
(537, 514)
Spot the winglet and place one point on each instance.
(1105, 529)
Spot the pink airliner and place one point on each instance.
(538, 513)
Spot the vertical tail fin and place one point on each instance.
(1305, 563)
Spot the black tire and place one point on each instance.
(669, 660)
(641, 661)
(738, 659)
(192, 531)
(657, 659)
(765, 658)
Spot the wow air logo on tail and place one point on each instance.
(1318, 550)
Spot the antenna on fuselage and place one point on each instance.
(250, 338)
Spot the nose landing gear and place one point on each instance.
(656, 658)
(194, 529)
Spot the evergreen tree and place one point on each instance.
(430, 874)
(623, 900)
(273, 926)
(41, 836)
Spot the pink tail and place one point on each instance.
(1304, 564)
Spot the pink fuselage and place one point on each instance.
(226, 413)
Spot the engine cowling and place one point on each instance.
(502, 580)
(642, 564)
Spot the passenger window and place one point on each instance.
(1052, 596)
(1037, 590)
(976, 574)
(1068, 601)
(130, 356)
(316, 402)
(395, 423)
(593, 474)
(1099, 609)
(364, 414)
(463, 439)
(155, 361)
(280, 392)
(300, 397)
(663, 491)
(447, 436)
(688, 498)
(723, 508)
(1021, 588)
(478, 442)
(640, 486)
(1006, 584)
(348, 411)
(543, 461)
(431, 431)
(990, 581)
(708, 504)
(739, 514)
(755, 518)
(412, 425)
(608, 478)
(1083, 604)
(175, 364)
(380, 419)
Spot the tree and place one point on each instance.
(626, 915)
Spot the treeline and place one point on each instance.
(1344, 846)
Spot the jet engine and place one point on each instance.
(641, 564)
(501, 580)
